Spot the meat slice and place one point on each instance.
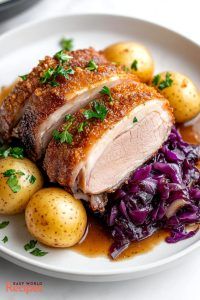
(103, 155)
(12, 108)
(48, 106)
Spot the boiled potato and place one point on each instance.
(181, 93)
(19, 180)
(55, 218)
(134, 56)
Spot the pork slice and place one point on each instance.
(105, 154)
(12, 107)
(48, 106)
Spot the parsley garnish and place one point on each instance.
(38, 252)
(65, 136)
(135, 120)
(51, 75)
(106, 91)
(156, 79)
(4, 224)
(99, 111)
(30, 245)
(15, 152)
(134, 65)
(12, 181)
(68, 117)
(164, 83)
(32, 179)
(23, 77)
(82, 126)
(5, 239)
(92, 66)
(62, 56)
(67, 44)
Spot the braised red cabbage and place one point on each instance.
(163, 193)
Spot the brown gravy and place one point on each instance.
(97, 242)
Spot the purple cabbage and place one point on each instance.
(144, 204)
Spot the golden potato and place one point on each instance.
(19, 180)
(181, 93)
(134, 56)
(55, 218)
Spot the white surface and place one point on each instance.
(180, 282)
(106, 29)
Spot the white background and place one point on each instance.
(181, 282)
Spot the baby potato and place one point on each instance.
(55, 218)
(181, 93)
(19, 180)
(134, 56)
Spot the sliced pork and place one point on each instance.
(48, 106)
(12, 107)
(104, 153)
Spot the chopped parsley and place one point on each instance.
(163, 84)
(135, 120)
(5, 239)
(23, 77)
(92, 66)
(99, 111)
(31, 179)
(16, 152)
(12, 181)
(69, 117)
(67, 44)
(30, 245)
(51, 75)
(38, 252)
(156, 79)
(82, 125)
(65, 136)
(4, 224)
(134, 65)
(106, 91)
(62, 56)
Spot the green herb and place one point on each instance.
(106, 91)
(15, 152)
(134, 65)
(32, 179)
(4, 224)
(162, 84)
(67, 44)
(135, 120)
(92, 66)
(156, 79)
(38, 252)
(82, 126)
(5, 239)
(51, 75)
(62, 56)
(68, 117)
(23, 77)
(99, 111)
(166, 83)
(65, 136)
(30, 245)
(12, 181)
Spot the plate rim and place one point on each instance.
(29, 262)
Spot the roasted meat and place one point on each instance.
(48, 106)
(104, 152)
(13, 106)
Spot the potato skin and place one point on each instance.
(125, 53)
(55, 218)
(13, 203)
(182, 95)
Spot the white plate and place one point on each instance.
(19, 52)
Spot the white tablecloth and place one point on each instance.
(181, 282)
